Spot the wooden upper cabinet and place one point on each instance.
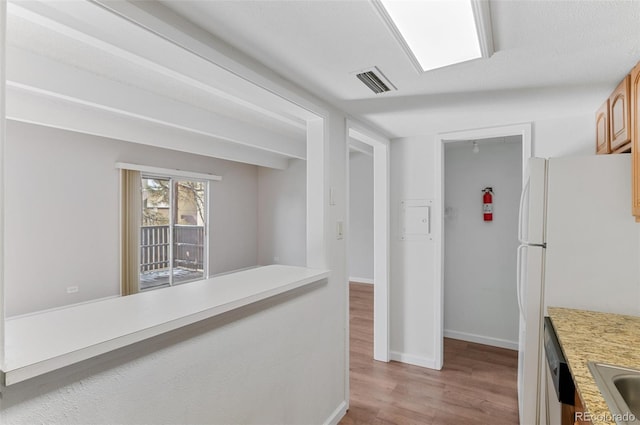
(602, 129)
(624, 129)
(635, 138)
(620, 116)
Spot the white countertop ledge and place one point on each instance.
(40, 343)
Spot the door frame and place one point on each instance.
(381, 216)
(523, 130)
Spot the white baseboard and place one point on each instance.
(337, 414)
(479, 339)
(412, 359)
(361, 280)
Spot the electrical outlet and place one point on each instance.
(72, 289)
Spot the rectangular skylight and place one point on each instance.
(436, 32)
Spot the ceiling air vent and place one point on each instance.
(375, 80)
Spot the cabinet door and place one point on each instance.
(635, 139)
(619, 116)
(580, 415)
(602, 129)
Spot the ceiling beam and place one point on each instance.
(25, 106)
(259, 83)
(25, 71)
(101, 28)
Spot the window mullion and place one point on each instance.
(171, 227)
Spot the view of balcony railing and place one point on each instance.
(188, 254)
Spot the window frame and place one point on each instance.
(128, 285)
(173, 179)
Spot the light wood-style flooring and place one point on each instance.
(478, 384)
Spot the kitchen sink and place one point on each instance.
(629, 389)
(620, 387)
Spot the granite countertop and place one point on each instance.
(600, 337)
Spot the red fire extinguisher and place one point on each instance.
(487, 203)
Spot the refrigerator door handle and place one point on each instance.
(519, 281)
(521, 224)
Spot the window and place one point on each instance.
(164, 225)
(172, 234)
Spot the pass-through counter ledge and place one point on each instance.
(39, 343)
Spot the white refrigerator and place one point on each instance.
(579, 249)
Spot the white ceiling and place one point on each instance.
(552, 57)
(568, 54)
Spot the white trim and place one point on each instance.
(207, 232)
(337, 414)
(381, 233)
(358, 146)
(393, 29)
(481, 17)
(413, 359)
(318, 187)
(480, 339)
(361, 280)
(3, 102)
(167, 171)
(381, 245)
(523, 130)
(347, 287)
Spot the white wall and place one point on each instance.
(360, 216)
(272, 363)
(412, 261)
(62, 212)
(282, 214)
(234, 223)
(480, 303)
(564, 136)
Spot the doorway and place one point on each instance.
(518, 133)
(362, 139)
(480, 297)
(360, 247)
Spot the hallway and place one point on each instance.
(476, 386)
